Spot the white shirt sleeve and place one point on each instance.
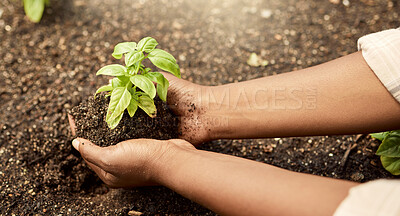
(381, 51)
(375, 198)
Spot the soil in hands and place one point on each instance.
(90, 123)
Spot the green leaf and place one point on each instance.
(162, 84)
(147, 44)
(114, 123)
(379, 136)
(104, 88)
(390, 146)
(131, 69)
(112, 70)
(147, 105)
(165, 61)
(123, 48)
(144, 84)
(162, 90)
(119, 101)
(132, 57)
(34, 9)
(120, 81)
(155, 77)
(133, 105)
(391, 164)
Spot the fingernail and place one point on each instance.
(75, 144)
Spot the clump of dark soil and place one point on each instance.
(90, 123)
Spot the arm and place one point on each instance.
(227, 185)
(236, 186)
(342, 96)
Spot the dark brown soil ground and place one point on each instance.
(48, 68)
(90, 123)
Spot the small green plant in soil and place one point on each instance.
(133, 87)
(34, 9)
(389, 150)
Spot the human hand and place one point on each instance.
(187, 101)
(130, 163)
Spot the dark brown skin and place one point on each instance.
(184, 98)
(349, 99)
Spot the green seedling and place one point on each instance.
(389, 150)
(34, 9)
(133, 85)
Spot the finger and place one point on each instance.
(91, 152)
(180, 142)
(173, 81)
(177, 88)
(183, 143)
(169, 76)
(106, 177)
(100, 172)
(72, 124)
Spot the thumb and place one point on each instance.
(183, 144)
(177, 88)
(168, 76)
(175, 83)
(90, 152)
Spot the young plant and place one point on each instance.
(389, 150)
(133, 85)
(34, 9)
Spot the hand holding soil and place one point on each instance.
(131, 163)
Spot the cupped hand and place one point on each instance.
(188, 101)
(130, 163)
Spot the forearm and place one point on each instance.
(234, 186)
(342, 96)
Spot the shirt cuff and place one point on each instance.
(379, 197)
(381, 51)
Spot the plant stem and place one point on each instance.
(140, 63)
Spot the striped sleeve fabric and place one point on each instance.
(381, 51)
